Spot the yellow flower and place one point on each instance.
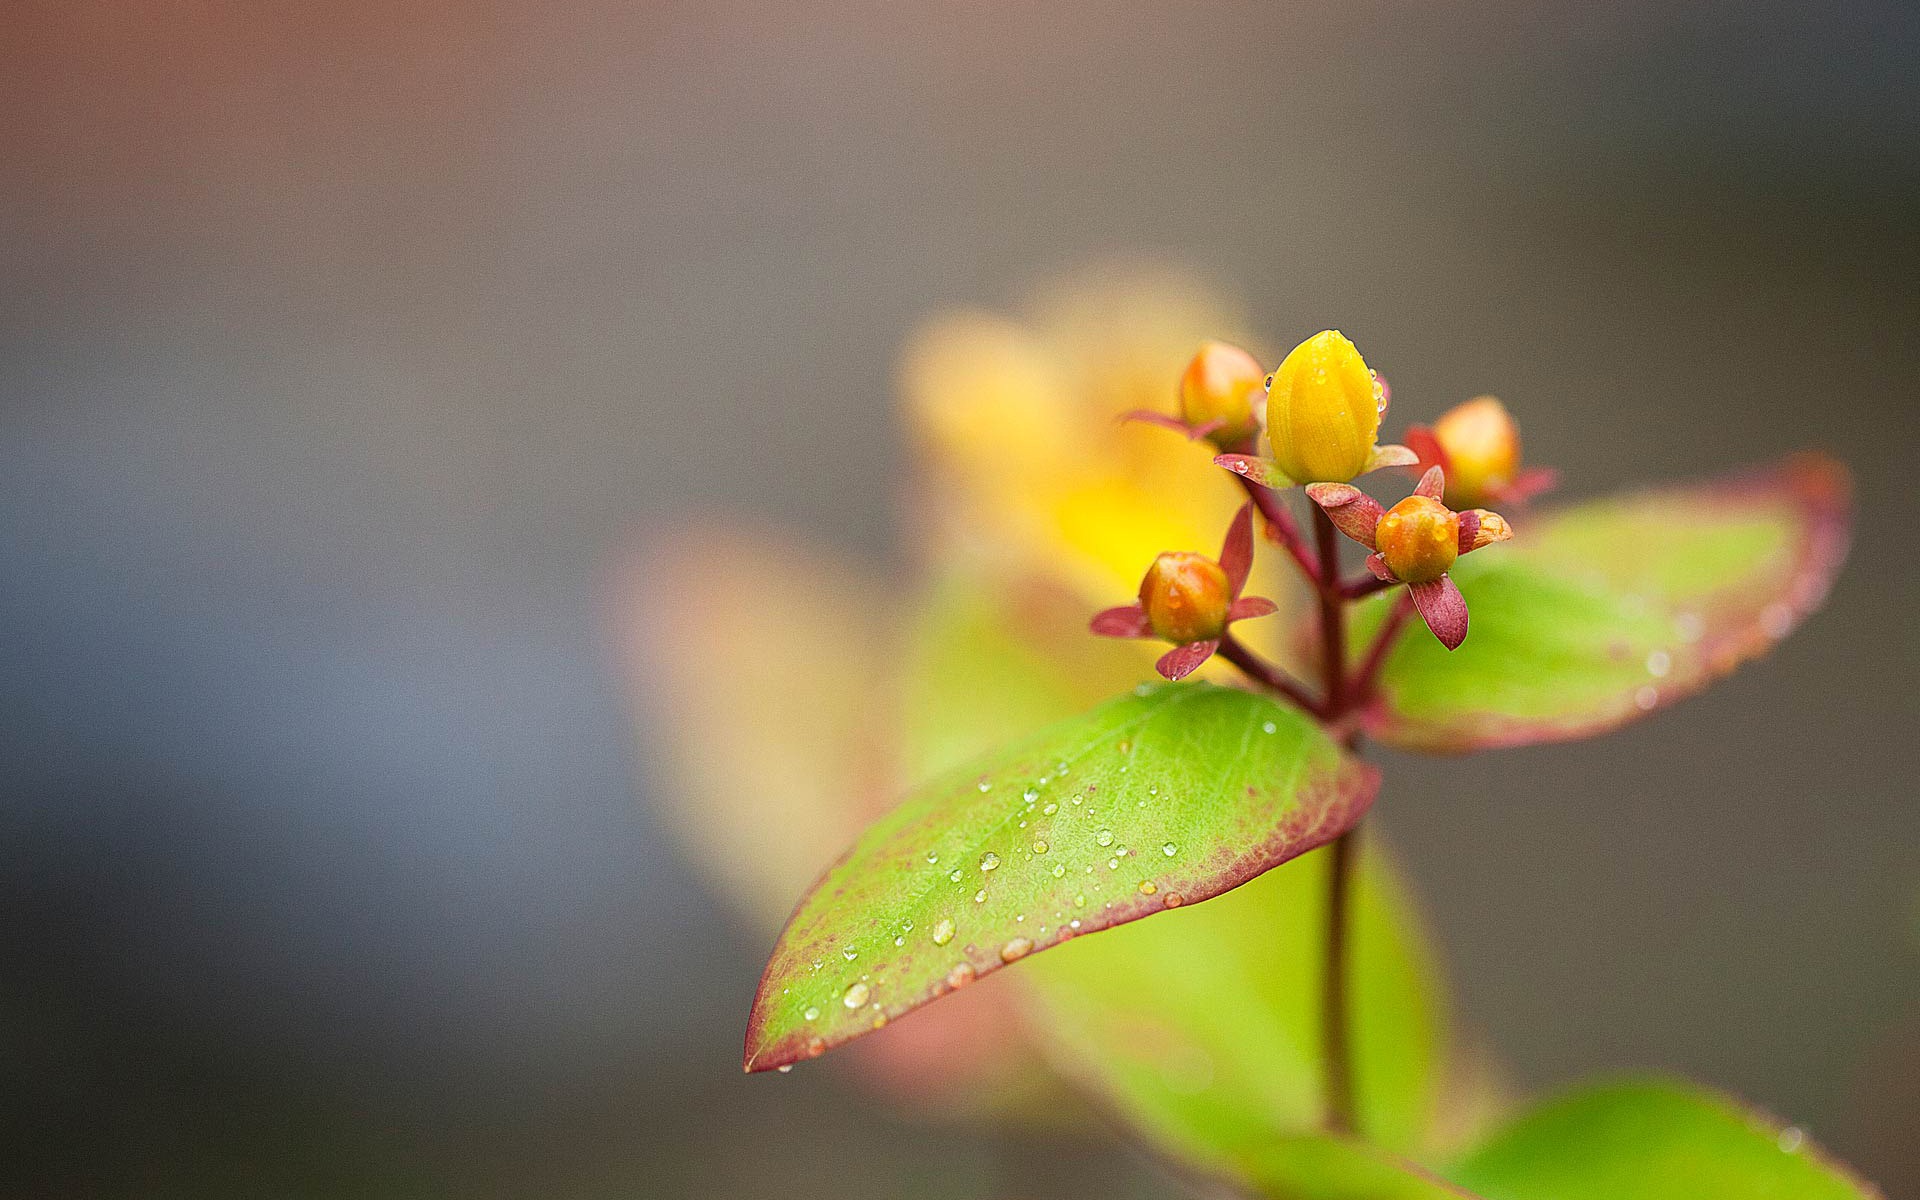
(1323, 411)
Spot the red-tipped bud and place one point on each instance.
(1186, 597)
(1482, 444)
(1219, 385)
(1419, 538)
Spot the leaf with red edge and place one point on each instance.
(1061, 835)
(1598, 614)
(1236, 550)
(1254, 469)
(1653, 1139)
(1443, 609)
(1182, 661)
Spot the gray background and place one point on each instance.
(345, 347)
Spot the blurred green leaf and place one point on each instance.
(1202, 1028)
(1598, 614)
(1320, 1167)
(1167, 795)
(1652, 1140)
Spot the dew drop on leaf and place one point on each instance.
(954, 875)
(942, 931)
(980, 897)
(1104, 837)
(1039, 847)
(1059, 869)
(1169, 849)
(812, 1013)
(849, 953)
(1148, 887)
(856, 995)
(960, 975)
(785, 1069)
(1015, 949)
(989, 861)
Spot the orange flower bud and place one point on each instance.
(1218, 385)
(1419, 537)
(1483, 450)
(1323, 411)
(1186, 597)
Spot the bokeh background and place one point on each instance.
(348, 349)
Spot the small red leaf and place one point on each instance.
(1236, 552)
(1255, 469)
(1248, 607)
(1469, 527)
(1432, 484)
(1126, 621)
(1182, 661)
(1352, 511)
(1420, 440)
(1380, 569)
(1443, 608)
(1528, 484)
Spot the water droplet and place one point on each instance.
(1791, 1139)
(1016, 949)
(942, 931)
(849, 953)
(856, 995)
(980, 897)
(1265, 727)
(986, 785)
(989, 861)
(1121, 851)
(899, 941)
(1080, 901)
(1060, 769)
(1075, 923)
(816, 1047)
(1104, 837)
(785, 1069)
(1646, 698)
(954, 875)
(1147, 888)
(1030, 795)
(1173, 900)
(1051, 808)
(1659, 663)
(1169, 849)
(812, 1013)
(1059, 869)
(906, 927)
(1079, 800)
(1039, 847)
(960, 975)
(879, 1020)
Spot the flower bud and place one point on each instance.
(1483, 450)
(1218, 385)
(1419, 538)
(1186, 597)
(1323, 411)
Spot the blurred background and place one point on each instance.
(346, 351)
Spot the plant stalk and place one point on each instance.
(1336, 1043)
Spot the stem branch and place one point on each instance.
(1336, 1044)
(1266, 674)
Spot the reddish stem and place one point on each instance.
(1361, 587)
(1368, 675)
(1266, 674)
(1282, 527)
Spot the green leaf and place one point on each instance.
(1167, 795)
(1322, 1167)
(1596, 615)
(1652, 1140)
(1202, 1028)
